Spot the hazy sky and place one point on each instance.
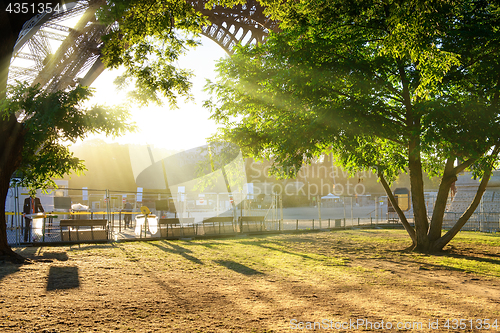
(183, 128)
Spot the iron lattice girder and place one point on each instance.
(50, 20)
(80, 47)
(22, 74)
(79, 50)
(241, 24)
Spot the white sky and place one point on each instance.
(176, 129)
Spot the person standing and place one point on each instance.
(128, 214)
(32, 205)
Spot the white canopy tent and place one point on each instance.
(330, 200)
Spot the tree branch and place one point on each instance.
(391, 89)
(449, 176)
(446, 238)
(441, 242)
(338, 92)
(405, 93)
(461, 167)
(401, 215)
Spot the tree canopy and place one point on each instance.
(35, 131)
(147, 38)
(51, 121)
(389, 86)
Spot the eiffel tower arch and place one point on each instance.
(245, 24)
(56, 55)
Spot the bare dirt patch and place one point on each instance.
(253, 284)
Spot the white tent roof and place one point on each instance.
(330, 196)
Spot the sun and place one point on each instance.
(175, 129)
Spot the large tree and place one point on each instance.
(38, 139)
(146, 39)
(11, 130)
(390, 86)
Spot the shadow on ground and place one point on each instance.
(7, 268)
(49, 256)
(237, 267)
(63, 277)
(176, 249)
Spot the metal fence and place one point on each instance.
(148, 227)
(479, 221)
(92, 215)
(74, 215)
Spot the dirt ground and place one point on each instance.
(342, 281)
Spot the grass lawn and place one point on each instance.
(357, 280)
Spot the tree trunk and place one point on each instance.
(11, 145)
(6, 252)
(11, 132)
(395, 204)
(440, 243)
(417, 197)
(449, 176)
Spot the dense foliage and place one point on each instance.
(387, 85)
(147, 39)
(50, 122)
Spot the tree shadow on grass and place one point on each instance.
(176, 249)
(8, 268)
(89, 246)
(470, 257)
(437, 261)
(50, 256)
(63, 277)
(271, 248)
(238, 268)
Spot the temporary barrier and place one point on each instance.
(106, 215)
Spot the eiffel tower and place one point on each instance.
(76, 58)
